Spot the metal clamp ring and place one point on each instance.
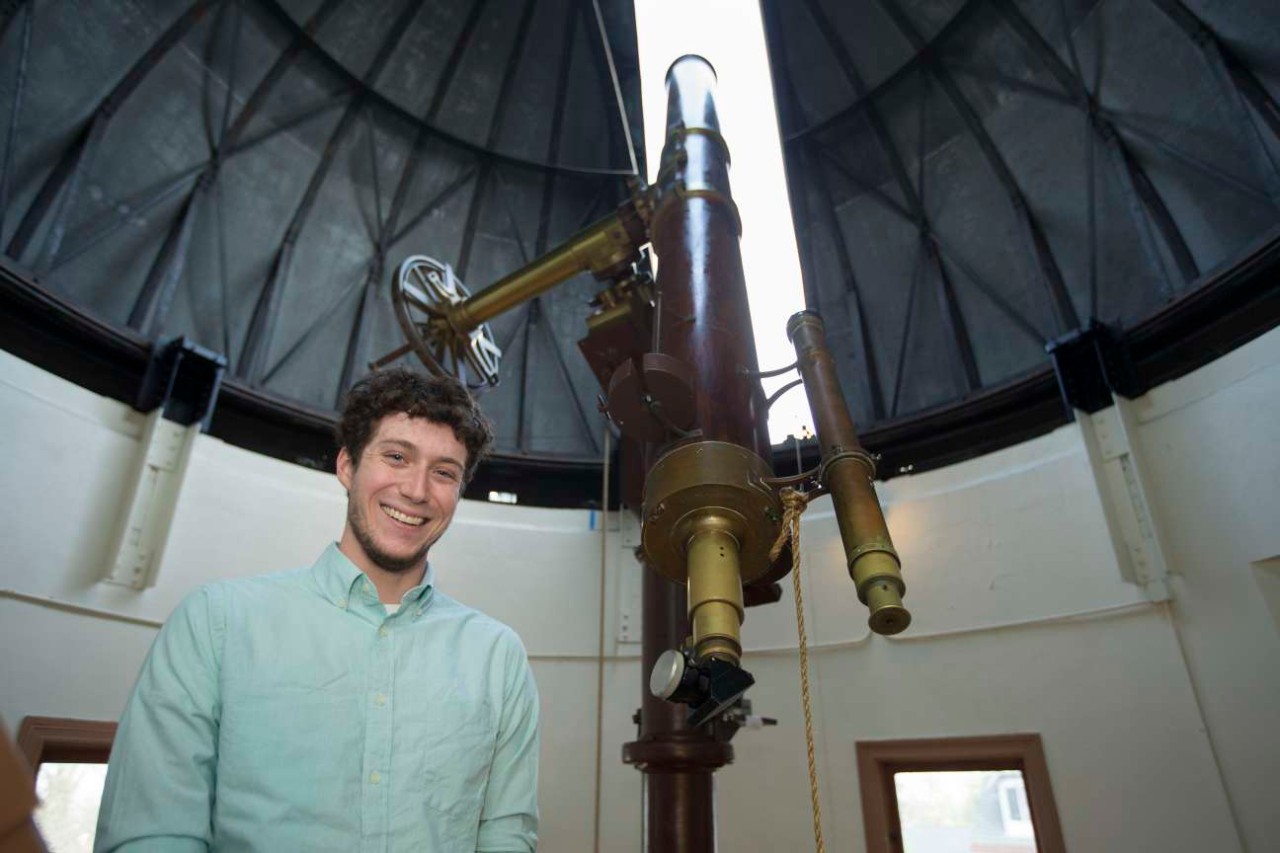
(867, 460)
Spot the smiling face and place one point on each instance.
(401, 493)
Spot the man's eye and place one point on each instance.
(448, 474)
(395, 457)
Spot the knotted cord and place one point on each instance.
(794, 503)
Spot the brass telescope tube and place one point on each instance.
(848, 473)
(608, 245)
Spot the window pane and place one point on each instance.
(972, 811)
(68, 811)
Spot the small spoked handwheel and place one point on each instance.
(423, 291)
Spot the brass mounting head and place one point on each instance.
(709, 522)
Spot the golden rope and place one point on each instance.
(794, 504)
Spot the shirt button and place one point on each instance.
(375, 777)
(382, 632)
(380, 700)
(342, 602)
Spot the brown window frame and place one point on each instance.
(879, 760)
(65, 741)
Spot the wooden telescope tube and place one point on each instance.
(703, 321)
(848, 473)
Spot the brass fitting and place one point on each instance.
(715, 591)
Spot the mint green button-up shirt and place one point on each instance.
(291, 712)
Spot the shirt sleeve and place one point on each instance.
(509, 819)
(160, 780)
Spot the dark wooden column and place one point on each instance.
(704, 321)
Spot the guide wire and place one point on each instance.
(617, 89)
(604, 563)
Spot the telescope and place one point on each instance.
(685, 382)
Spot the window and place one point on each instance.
(1015, 814)
(976, 795)
(69, 758)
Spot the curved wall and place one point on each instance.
(1157, 716)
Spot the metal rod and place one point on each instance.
(617, 88)
(390, 357)
(532, 316)
(777, 395)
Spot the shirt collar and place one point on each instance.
(340, 580)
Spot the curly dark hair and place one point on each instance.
(439, 399)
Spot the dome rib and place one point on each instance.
(389, 106)
(78, 155)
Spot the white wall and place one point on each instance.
(1022, 620)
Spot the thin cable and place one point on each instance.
(795, 505)
(617, 89)
(604, 559)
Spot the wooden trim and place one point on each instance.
(879, 760)
(65, 740)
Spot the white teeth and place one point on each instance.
(400, 516)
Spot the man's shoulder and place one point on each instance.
(262, 588)
(471, 620)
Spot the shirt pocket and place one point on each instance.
(451, 747)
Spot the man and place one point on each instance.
(348, 706)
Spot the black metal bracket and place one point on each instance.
(1090, 364)
(183, 379)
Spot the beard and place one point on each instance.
(383, 560)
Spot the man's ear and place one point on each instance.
(346, 467)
